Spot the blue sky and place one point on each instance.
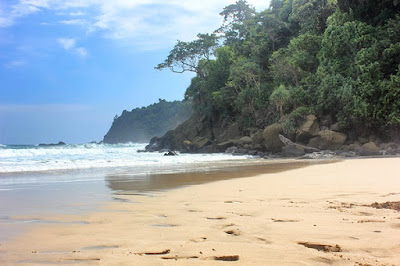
(67, 67)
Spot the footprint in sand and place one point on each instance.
(284, 220)
(321, 247)
(233, 232)
(370, 221)
(227, 258)
(241, 214)
(199, 239)
(216, 218)
(228, 225)
(194, 211)
(179, 257)
(164, 252)
(232, 201)
(264, 240)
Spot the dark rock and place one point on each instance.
(53, 144)
(271, 138)
(170, 153)
(240, 151)
(248, 146)
(231, 150)
(221, 147)
(208, 149)
(344, 148)
(261, 154)
(335, 127)
(245, 140)
(231, 132)
(258, 147)
(328, 140)
(372, 138)
(292, 151)
(257, 137)
(200, 142)
(390, 151)
(378, 141)
(392, 145)
(252, 152)
(362, 140)
(347, 154)
(355, 146)
(369, 149)
(155, 144)
(308, 129)
(326, 121)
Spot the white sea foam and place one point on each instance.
(20, 159)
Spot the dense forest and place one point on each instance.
(331, 58)
(141, 124)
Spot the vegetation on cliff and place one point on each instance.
(330, 58)
(141, 124)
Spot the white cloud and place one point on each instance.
(73, 22)
(146, 23)
(77, 14)
(15, 63)
(81, 51)
(69, 44)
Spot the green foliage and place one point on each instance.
(279, 97)
(336, 57)
(311, 15)
(186, 56)
(295, 119)
(292, 64)
(141, 124)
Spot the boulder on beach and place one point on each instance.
(308, 129)
(292, 151)
(328, 140)
(271, 138)
(369, 149)
(245, 140)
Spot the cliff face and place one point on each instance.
(141, 124)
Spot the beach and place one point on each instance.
(305, 214)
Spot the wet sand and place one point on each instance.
(320, 214)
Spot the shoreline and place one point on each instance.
(261, 218)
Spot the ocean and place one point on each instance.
(19, 160)
(39, 181)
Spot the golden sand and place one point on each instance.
(316, 215)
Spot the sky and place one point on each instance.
(67, 67)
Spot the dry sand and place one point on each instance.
(317, 215)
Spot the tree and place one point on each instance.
(186, 55)
(279, 98)
(233, 28)
(312, 14)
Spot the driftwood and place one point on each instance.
(288, 142)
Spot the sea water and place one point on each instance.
(37, 181)
(23, 159)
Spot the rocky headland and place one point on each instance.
(315, 137)
(141, 124)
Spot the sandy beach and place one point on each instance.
(317, 214)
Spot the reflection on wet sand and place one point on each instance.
(133, 184)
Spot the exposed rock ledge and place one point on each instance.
(197, 135)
